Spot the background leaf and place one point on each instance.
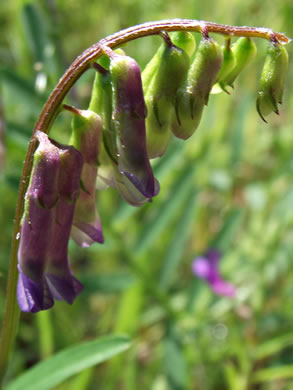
(64, 364)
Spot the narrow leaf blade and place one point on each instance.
(53, 371)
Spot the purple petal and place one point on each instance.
(33, 296)
(85, 234)
(64, 288)
(129, 113)
(207, 268)
(214, 256)
(87, 227)
(221, 287)
(149, 189)
(201, 267)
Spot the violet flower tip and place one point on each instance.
(33, 296)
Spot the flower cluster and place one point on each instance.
(131, 118)
(44, 267)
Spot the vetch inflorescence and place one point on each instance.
(131, 118)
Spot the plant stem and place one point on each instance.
(49, 113)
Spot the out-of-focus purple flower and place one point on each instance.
(43, 262)
(207, 268)
(86, 137)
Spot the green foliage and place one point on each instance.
(70, 361)
(229, 186)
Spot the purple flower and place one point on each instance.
(129, 113)
(59, 277)
(207, 268)
(43, 262)
(86, 137)
(109, 175)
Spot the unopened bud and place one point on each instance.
(183, 40)
(244, 51)
(160, 97)
(272, 80)
(227, 66)
(194, 95)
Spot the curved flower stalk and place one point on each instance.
(42, 257)
(207, 268)
(86, 137)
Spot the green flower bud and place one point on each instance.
(227, 66)
(151, 68)
(183, 40)
(101, 102)
(194, 95)
(272, 80)
(188, 112)
(160, 97)
(228, 61)
(244, 51)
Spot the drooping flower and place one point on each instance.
(86, 137)
(129, 113)
(43, 262)
(207, 268)
(63, 285)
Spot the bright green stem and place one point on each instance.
(51, 110)
(46, 343)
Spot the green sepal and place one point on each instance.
(187, 116)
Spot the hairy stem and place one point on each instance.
(49, 113)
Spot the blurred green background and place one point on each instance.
(229, 187)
